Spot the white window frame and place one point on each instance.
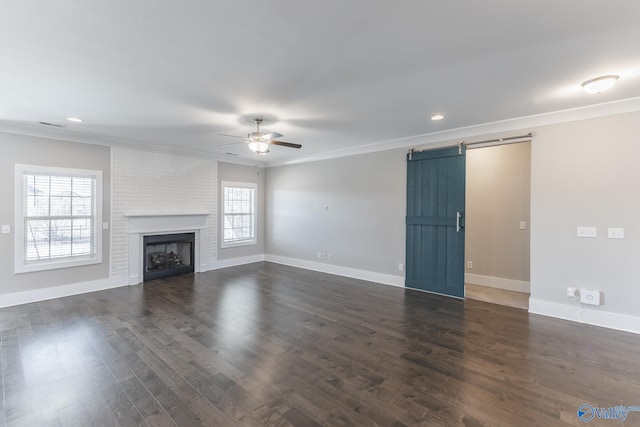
(23, 266)
(235, 184)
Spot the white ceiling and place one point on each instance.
(329, 75)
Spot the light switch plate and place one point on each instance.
(615, 233)
(590, 232)
(6, 229)
(105, 225)
(523, 225)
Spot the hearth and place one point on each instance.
(168, 255)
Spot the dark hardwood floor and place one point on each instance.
(269, 345)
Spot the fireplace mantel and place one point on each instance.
(158, 223)
(144, 224)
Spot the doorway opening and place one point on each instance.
(497, 238)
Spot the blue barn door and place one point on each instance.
(435, 221)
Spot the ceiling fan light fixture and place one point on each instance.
(259, 147)
(600, 84)
(261, 142)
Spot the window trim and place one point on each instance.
(20, 264)
(238, 184)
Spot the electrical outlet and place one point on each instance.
(523, 225)
(590, 297)
(572, 293)
(319, 255)
(6, 229)
(401, 267)
(323, 255)
(470, 265)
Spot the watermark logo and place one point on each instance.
(588, 412)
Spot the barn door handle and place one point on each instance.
(458, 216)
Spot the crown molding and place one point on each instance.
(485, 130)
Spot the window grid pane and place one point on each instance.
(238, 215)
(59, 221)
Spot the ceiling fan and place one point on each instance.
(259, 142)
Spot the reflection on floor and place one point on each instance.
(497, 296)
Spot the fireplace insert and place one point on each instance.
(168, 255)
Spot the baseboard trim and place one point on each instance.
(498, 282)
(354, 273)
(583, 314)
(36, 295)
(232, 262)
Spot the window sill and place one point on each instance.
(228, 245)
(51, 265)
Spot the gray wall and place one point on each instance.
(497, 200)
(363, 226)
(45, 152)
(233, 172)
(586, 173)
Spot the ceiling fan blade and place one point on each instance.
(232, 136)
(272, 135)
(286, 144)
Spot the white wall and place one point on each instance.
(363, 227)
(586, 173)
(145, 182)
(241, 173)
(39, 151)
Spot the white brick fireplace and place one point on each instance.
(159, 193)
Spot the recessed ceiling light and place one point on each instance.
(75, 119)
(437, 117)
(600, 84)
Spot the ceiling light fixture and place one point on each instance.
(75, 119)
(436, 117)
(259, 147)
(600, 84)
